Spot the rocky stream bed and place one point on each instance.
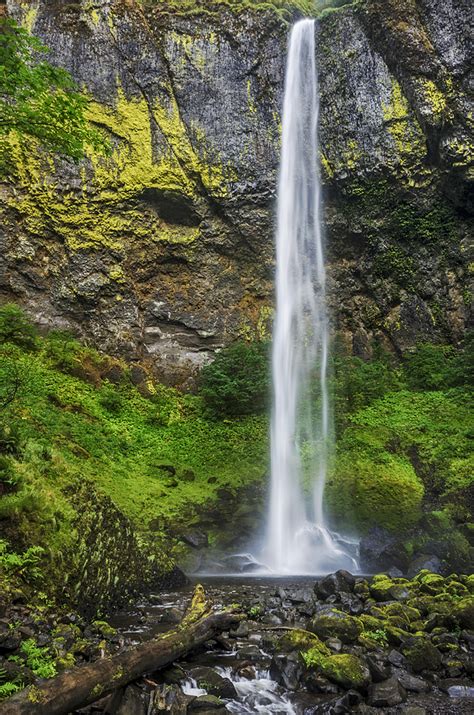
(338, 645)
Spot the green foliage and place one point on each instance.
(39, 660)
(439, 367)
(26, 566)
(66, 429)
(237, 382)
(110, 399)
(379, 636)
(39, 100)
(9, 688)
(356, 383)
(404, 431)
(15, 327)
(210, 7)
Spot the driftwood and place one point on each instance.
(86, 684)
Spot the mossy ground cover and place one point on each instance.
(159, 457)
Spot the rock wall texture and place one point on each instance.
(163, 251)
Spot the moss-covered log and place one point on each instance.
(84, 685)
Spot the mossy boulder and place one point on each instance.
(422, 654)
(346, 670)
(301, 640)
(336, 624)
(464, 612)
(387, 494)
(384, 588)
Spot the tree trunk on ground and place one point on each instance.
(84, 685)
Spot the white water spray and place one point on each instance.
(298, 540)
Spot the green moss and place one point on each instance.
(282, 8)
(344, 669)
(406, 133)
(383, 491)
(336, 624)
(301, 640)
(104, 213)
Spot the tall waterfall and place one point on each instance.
(298, 540)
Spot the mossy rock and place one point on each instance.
(346, 670)
(464, 612)
(422, 654)
(301, 640)
(336, 624)
(384, 588)
(376, 493)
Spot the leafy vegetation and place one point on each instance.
(39, 100)
(404, 435)
(238, 381)
(159, 457)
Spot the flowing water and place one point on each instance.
(298, 540)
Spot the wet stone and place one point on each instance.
(387, 694)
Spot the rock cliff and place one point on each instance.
(163, 251)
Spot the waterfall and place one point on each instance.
(298, 540)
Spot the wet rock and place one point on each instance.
(423, 561)
(346, 670)
(317, 683)
(335, 583)
(171, 616)
(421, 654)
(383, 588)
(206, 702)
(411, 682)
(464, 612)
(336, 706)
(300, 595)
(173, 675)
(249, 652)
(286, 670)
(196, 539)
(456, 688)
(134, 702)
(9, 641)
(334, 644)
(242, 630)
(386, 694)
(380, 550)
(168, 700)
(378, 670)
(208, 679)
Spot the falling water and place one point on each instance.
(298, 540)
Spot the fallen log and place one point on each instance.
(84, 685)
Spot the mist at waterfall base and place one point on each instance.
(298, 540)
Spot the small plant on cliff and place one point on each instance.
(237, 382)
(15, 327)
(39, 100)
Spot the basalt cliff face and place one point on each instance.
(163, 251)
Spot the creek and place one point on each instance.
(246, 671)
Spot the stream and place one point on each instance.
(239, 670)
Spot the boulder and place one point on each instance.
(336, 624)
(335, 583)
(424, 561)
(287, 670)
(208, 679)
(421, 654)
(196, 539)
(381, 550)
(387, 694)
(463, 612)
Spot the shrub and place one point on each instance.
(16, 328)
(110, 399)
(237, 382)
